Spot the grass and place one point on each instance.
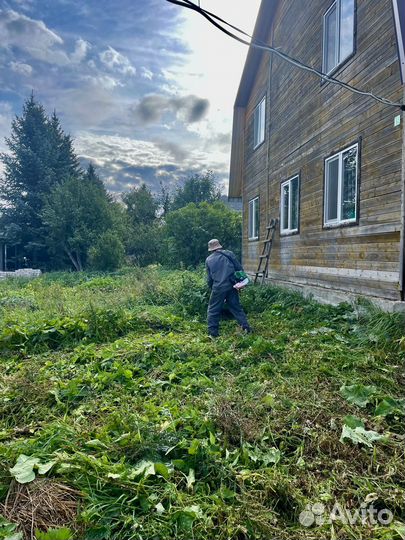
(111, 383)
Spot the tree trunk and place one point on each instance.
(75, 263)
(79, 262)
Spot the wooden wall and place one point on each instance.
(307, 121)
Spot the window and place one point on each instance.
(289, 207)
(338, 34)
(341, 187)
(254, 219)
(259, 123)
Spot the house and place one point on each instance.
(327, 162)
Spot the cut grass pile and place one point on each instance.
(110, 390)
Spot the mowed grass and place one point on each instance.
(157, 432)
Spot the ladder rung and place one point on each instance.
(262, 273)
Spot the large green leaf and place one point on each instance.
(194, 446)
(389, 406)
(162, 470)
(358, 394)
(273, 455)
(359, 435)
(54, 534)
(23, 470)
(185, 517)
(143, 468)
(353, 422)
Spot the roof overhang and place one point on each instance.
(254, 56)
(261, 32)
(399, 18)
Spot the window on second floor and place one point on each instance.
(253, 219)
(341, 187)
(338, 34)
(289, 207)
(259, 123)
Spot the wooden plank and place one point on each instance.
(307, 122)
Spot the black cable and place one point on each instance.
(260, 45)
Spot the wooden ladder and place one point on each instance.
(263, 271)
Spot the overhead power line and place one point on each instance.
(257, 44)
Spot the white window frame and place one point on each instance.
(338, 60)
(259, 123)
(252, 219)
(288, 182)
(339, 220)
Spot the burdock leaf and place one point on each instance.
(353, 422)
(16, 536)
(144, 468)
(358, 394)
(160, 468)
(273, 455)
(390, 406)
(23, 470)
(43, 468)
(359, 435)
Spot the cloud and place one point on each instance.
(124, 162)
(6, 117)
(188, 109)
(117, 61)
(21, 68)
(103, 81)
(31, 36)
(146, 73)
(90, 105)
(81, 49)
(175, 150)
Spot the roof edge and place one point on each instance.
(260, 33)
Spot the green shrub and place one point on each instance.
(192, 294)
(108, 253)
(189, 229)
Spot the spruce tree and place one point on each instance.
(40, 156)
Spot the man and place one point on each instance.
(221, 266)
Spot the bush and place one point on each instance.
(143, 244)
(192, 295)
(108, 253)
(189, 229)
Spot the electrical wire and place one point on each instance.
(212, 18)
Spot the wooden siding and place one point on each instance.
(237, 153)
(307, 121)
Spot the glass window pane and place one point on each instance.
(330, 40)
(346, 28)
(332, 186)
(255, 132)
(257, 218)
(294, 204)
(250, 220)
(262, 117)
(349, 184)
(285, 198)
(259, 123)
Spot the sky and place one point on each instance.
(145, 88)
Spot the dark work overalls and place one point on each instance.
(220, 270)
